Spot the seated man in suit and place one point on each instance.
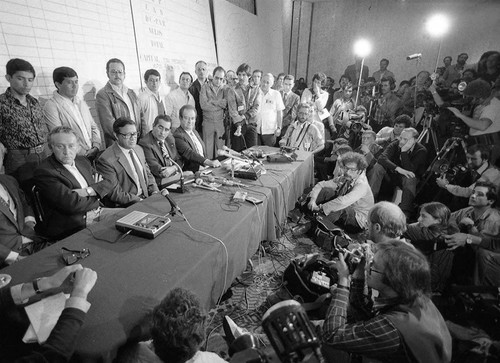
(68, 191)
(17, 234)
(123, 165)
(189, 143)
(160, 151)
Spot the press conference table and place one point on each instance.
(135, 273)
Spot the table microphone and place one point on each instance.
(172, 202)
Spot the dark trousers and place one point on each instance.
(247, 139)
(408, 186)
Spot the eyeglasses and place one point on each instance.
(116, 72)
(71, 257)
(128, 136)
(350, 169)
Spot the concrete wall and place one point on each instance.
(396, 28)
(243, 37)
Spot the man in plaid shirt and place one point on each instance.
(401, 324)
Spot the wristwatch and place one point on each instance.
(468, 240)
(35, 285)
(89, 191)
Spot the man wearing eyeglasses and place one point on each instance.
(115, 100)
(401, 324)
(345, 200)
(68, 189)
(123, 165)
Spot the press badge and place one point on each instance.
(307, 145)
(241, 108)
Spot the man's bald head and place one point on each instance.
(386, 221)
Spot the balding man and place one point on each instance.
(271, 112)
(386, 221)
(201, 70)
(403, 161)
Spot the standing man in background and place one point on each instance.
(115, 100)
(291, 102)
(271, 112)
(201, 71)
(22, 129)
(150, 101)
(65, 108)
(213, 102)
(178, 98)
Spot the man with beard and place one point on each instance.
(345, 200)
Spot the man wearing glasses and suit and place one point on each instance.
(123, 165)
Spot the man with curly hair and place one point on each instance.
(178, 331)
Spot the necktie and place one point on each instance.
(161, 108)
(196, 142)
(140, 175)
(7, 203)
(164, 152)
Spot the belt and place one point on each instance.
(486, 139)
(31, 150)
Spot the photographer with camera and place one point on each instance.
(482, 171)
(346, 199)
(403, 325)
(485, 121)
(388, 104)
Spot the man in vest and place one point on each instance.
(402, 324)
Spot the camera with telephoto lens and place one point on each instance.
(353, 254)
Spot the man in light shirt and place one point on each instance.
(68, 189)
(115, 100)
(271, 112)
(178, 98)
(150, 101)
(302, 134)
(65, 108)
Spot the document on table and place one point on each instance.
(43, 317)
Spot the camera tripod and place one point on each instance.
(428, 130)
(443, 159)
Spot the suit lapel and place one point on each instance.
(122, 160)
(19, 207)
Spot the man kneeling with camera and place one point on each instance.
(402, 324)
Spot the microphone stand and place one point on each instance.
(180, 189)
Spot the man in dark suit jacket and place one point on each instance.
(68, 192)
(291, 101)
(189, 143)
(201, 71)
(16, 229)
(123, 165)
(115, 100)
(160, 151)
(404, 162)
